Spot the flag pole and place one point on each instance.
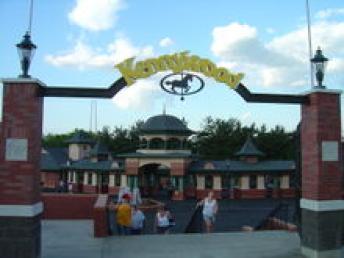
(310, 49)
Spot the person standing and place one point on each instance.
(209, 211)
(123, 216)
(162, 221)
(61, 187)
(137, 221)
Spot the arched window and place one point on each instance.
(156, 144)
(209, 182)
(173, 144)
(143, 143)
(253, 181)
(185, 145)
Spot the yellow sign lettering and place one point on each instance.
(177, 63)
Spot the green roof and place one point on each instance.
(155, 155)
(81, 137)
(165, 124)
(106, 165)
(249, 149)
(48, 163)
(236, 166)
(52, 159)
(99, 149)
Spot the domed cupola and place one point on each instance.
(165, 124)
(164, 132)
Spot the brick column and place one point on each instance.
(260, 182)
(217, 186)
(124, 181)
(245, 183)
(20, 151)
(321, 203)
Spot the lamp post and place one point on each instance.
(319, 62)
(26, 50)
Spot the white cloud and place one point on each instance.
(270, 30)
(282, 61)
(166, 42)
(95, 15)
(327, 13)
(83, 56)
(142, 95)
(245, 117)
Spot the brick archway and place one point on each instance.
(21, 132)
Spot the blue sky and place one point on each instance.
(79, 41)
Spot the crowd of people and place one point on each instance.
(130, 219)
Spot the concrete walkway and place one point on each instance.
(74, 239)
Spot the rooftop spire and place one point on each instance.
(249, 149)
(164, 109)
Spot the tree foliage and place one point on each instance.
(221, 139)
(217, 139)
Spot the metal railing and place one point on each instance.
(195, 224)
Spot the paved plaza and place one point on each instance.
(74, 239)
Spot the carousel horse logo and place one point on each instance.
(177, 63)
(181, 84)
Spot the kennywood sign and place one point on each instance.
(177, 63)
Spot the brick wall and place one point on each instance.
(100, 220)
(50, 179)
(21, 119)
(113, 189)
(90, 189)
(321, 121)
(68, 206)
(253, 194)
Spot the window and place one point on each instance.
(143, 143)
(105, 179)
(292, 182)
(190, 181)
(276, 182)
(102, 157)
(235, 181)
(175, 182)
(226, 182)
(272, 182)
(80, 178)
(89, 178)
(173, 144)
(186, 144)
(156, 144)
(117, 179)
(209, 182)
(253, 181)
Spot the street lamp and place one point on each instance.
(319, 62)
(26, 50)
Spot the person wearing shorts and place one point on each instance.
(209, 211)
(162, 221)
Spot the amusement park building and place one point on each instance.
(163, 164)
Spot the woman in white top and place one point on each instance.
(209, 211)
(162, 221)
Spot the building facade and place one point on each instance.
(163, 165)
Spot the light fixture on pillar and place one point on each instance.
(26, 50)
(319, 62)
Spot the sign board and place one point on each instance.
(16, 149)
(330, 151)
(177, 63)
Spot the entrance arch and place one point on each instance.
(21, 132)
(154, 180)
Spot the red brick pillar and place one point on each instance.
(321, 203)
(20, 197)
